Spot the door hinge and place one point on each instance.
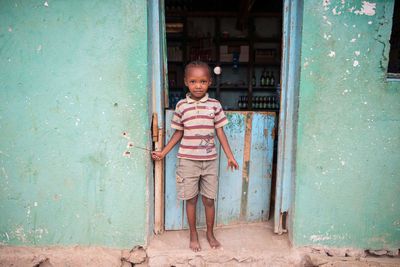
(155, 127)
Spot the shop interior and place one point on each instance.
(243, 38)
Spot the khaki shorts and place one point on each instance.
(192, 174)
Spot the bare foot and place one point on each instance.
(194, 242)
(212, 241)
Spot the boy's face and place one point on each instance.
(197, 80)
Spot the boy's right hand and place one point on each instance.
(157, 155)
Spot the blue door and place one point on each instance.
(244, 195)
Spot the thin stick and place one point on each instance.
(142, 148)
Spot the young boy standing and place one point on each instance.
(195, 119)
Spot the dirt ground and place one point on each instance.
(243, 245)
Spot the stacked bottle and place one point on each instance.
(266, 79)
(243, 102)
(259, 102)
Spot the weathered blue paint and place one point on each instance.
(157, 47)
(262, 144)
(230, 183)
(164, 55)
(229, 200)
(282, 116)
(174, 208)
(291, 75)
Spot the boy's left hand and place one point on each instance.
(233, 164)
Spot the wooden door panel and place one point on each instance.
(232, 197)
(173, 207)
(262, 145)
(230, 183)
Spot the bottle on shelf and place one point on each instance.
(262, 78)
(267, 79)
(272, 79)
(253, 79)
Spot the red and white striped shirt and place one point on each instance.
(198, 119)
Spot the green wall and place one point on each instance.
(73, 78)
(348, 139)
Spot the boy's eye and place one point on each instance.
(203, 82)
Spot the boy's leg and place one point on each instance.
(191, 215)
(210, 215)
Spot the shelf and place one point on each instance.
(197, 39)
(180, 38)
(253, 110)
(231, 64)
(209, 46)
(234, 40)
(269, 88)
(233, 87)
(175, 37)
(218, 14)
(267, 40)
(273, 64)
(222, 87)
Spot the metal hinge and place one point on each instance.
(155, 127)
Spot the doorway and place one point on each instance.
(244, 39)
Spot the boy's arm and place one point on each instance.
(225, 145)
(159, 155)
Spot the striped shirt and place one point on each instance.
(198, 119)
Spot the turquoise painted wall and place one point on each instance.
(348, 141)
(73, 79)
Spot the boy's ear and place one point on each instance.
(185, 81)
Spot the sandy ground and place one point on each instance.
(252, 245)
(243, 245)
(60, 256)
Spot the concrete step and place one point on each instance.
(243, 245)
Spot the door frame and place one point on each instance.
(290, 78)
(157, 60)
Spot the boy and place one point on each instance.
(194, 121)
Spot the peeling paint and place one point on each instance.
(367, 9)
(4, 172)
(315, 238)
(347, 110)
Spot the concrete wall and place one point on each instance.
(348, 141)
(73, 79)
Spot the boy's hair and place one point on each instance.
(197, 64)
